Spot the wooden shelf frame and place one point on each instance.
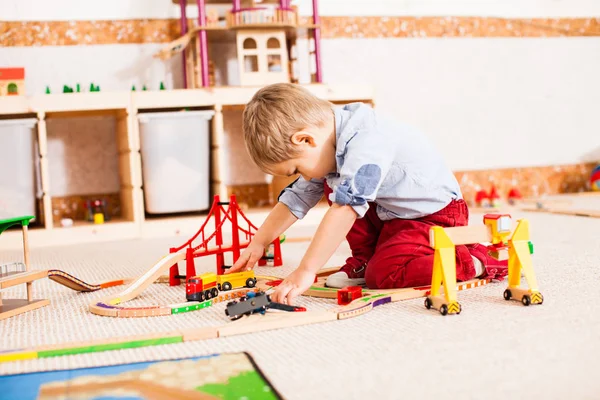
(126, 106)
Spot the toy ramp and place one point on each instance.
(140, 284)
(71, 282)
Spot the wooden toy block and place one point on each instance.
(468, 234)
(348, 294)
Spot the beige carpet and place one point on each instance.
(493, 350)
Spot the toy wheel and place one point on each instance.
(444, 309)
(231, 303)
(526, 300)
(207, 294)
(507, 294)
(428, 303)
(200, 296)
(236, 317)
(250, 282)
(214, 292)
(226, 286)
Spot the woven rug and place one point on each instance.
(218, 376)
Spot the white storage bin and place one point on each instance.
(175, 161)
(17, 167)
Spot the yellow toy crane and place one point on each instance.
(496, 229)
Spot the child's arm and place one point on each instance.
(293, 204)
(331, 232)
(278, 220)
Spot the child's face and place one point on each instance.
(316, 157)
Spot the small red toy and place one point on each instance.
(513, 195)
(348, 294)
(494, 197)
(482, 199)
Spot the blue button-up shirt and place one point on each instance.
(380, 161)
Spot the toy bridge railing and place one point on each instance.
(222, 212)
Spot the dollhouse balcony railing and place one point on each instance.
(262, 16)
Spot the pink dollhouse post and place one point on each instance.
(316, 21)
(184, 30)
(203, 42)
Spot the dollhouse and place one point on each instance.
(12, 81)
(263, 33)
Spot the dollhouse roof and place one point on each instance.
(12, 74)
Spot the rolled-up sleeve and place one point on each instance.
(302, 195)
(366, 164)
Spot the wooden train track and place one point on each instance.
(247, 324)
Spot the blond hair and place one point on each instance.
(274, 114)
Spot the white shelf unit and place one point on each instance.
(125, 106)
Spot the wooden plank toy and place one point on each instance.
(18, 275)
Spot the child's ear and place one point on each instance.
(301, 137)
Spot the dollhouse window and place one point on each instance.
(251, 63)
(13, 88)
(273, 43)
(274, 63)
(250, 43)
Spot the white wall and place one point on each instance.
(113, 67)
(45, 10)
(488, 102)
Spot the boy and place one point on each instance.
(385, 183)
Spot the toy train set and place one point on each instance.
(209, 285)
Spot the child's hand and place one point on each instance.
(247, 259)
(294, 285)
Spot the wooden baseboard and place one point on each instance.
(532, 182)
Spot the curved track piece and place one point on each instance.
(77, 284)
(108, 310)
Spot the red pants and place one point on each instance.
(397, 252)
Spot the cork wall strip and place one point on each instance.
(139, 31)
